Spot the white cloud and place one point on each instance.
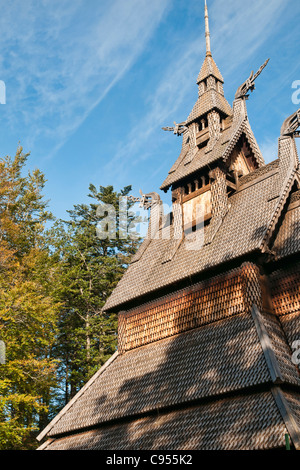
(237, 33)
(239, 30)
(61, 58)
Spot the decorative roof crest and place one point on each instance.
(249, 84)
(291, 124)
(146, 200)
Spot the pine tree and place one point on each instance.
(91, 269)
(53, 285)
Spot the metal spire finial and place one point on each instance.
(207, 33)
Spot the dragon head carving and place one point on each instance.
(291, 124)
(249, 84)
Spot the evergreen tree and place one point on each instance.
(53, 285)
(91, 269)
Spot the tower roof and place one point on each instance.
(202, 142)
(208, 68)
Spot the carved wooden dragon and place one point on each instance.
(146, 200)
(178, 129)
(249, 84)
(291, 124)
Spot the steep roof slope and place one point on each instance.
(253, 202)
(200, 367)
(255, 418)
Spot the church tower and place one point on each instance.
(218, 148)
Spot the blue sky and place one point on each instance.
(90, 83)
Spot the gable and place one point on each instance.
(234, 239)
(242, 159)
(287, 238)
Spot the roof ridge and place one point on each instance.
(295, 196)
(288, 415)
(266, 344)
(140, 390)
(281, 369)
(75, 398)
(277, 211)
(212, 425)
(243, 126)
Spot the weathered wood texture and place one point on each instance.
(222, 296)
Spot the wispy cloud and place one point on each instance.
(232, 48)
(61, 58)
(240, 29)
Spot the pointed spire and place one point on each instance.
(210, 85)
(209, 66)
(207, 33)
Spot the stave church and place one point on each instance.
(209, 307)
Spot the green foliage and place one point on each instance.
(91, 269)
(27, 308)
(53, 285)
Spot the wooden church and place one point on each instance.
(208, 312)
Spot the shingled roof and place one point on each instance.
(209, 68)
(211, 99)
(235, 239)
(186, 166)
(287, 241)
(212, 426)
(208, 364)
